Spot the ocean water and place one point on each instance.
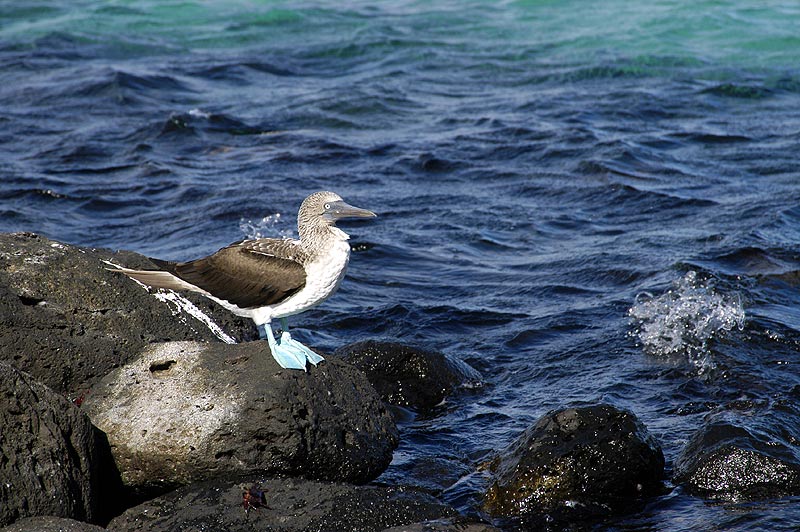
(586, 201)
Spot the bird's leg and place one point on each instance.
(283, 354)
(296, 347)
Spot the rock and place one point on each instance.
(407, 376)
(445, 525)
(727, 462)
(51, 524)
(52, 460)
(287, 504)
(67, 320)
(576, 463)
(186, 411)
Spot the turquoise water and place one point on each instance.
(719, 34)
(535, 166)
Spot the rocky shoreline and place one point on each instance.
(130, 410)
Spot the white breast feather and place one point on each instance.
(323, 277)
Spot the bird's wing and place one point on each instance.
(249, 274)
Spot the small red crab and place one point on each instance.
(253, 499)
(78, 401)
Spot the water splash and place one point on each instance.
(271, 226)
(681, 322)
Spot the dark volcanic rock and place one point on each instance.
(576, 463)
(52, 460)
(287, 504)
(186, 411)
(407, 376)
(723, 461)
(67, 320)
(50, 524)
(445, 525)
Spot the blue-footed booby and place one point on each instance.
(271, 278)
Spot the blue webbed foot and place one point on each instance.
(298, 349)
(289, 353)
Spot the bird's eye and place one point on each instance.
(327, 206)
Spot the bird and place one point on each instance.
(268, 279)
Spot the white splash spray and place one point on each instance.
(271, 226)
(682, 321)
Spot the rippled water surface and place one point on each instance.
(584, 201)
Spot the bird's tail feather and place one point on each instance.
(154, 278)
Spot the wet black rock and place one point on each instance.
(51, 524)
(728, 462)
(52, 460)
(67, 320)
(445, 525)
(188, 411)
(407, 376)
(577, 463)
(276, 504)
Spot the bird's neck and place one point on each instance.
(321, 236)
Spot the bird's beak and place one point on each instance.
(340, 209)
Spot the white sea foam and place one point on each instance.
(682, 321)
(197, 113)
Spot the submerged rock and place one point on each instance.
(724, 461)
(407, 376)
(576, 463)
(186, 411)
(67, 320)
(281, 504)
(51, 524)
(52, 460)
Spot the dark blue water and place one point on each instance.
(535, 166)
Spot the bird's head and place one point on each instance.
(320, 212)
(329, 208)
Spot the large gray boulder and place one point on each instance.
(188, 411)
(67, 320)
(728, 462)
(281, 504)
(576, 463)
(52, 460)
